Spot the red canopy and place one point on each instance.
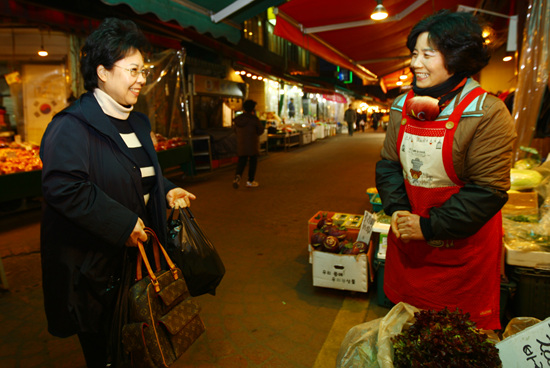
(342, 32)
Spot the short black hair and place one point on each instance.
(110, 42)
(249, 105)
(458, 36)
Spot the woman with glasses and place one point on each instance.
(102, 184)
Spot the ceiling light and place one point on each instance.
(509, 56)
(403, 76)
(379, 12)
(399, 83)
(42, 52)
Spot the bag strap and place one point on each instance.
(142, 257)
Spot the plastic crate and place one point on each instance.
(376, 207)
(532, 297)
(381, 298)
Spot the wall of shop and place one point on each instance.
(499, 76)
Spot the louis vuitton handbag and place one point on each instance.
(163, 321)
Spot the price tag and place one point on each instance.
(365, 231)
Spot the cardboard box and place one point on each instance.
(521, 203)
(343, 271)
(528, 348)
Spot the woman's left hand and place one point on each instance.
(409, 227)
(179, 198)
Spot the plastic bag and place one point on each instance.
(368, 345)
(518, 324)
(194, 254)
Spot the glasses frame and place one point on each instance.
(134, 72)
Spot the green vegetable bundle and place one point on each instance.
(444, 339)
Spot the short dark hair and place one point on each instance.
(458, 36)
(110, 42)
(249, 105)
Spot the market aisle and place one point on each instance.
(266, 312)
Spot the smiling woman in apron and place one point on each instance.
(444, 173)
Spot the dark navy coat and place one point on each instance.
(92, 199)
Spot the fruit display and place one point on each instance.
(19, 157)
(333, 236)
(162, 143)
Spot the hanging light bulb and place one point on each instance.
(379, 12)
(509, 56)
(42, 52)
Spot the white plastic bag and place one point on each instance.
(368, 345)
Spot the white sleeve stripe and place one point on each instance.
(131, 140)
(147, 171)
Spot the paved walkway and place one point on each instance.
(266, 312)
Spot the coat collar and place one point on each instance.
(87, 109)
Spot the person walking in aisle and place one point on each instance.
(291, 109)
(444, 173)
(350, 117)
(102, 184)
(248, 129)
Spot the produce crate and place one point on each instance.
(532, 298)
(341, 218)
(521, 203)
(381, 298)
(376, 206)
(530, 259)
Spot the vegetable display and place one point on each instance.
(444, 339)
(522, 179)
(333, 238)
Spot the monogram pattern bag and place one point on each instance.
(163, 321)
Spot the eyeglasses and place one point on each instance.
(134, 71)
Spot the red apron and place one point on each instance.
(462, 273)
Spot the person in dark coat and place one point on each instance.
(350, 117)
(102, 184)
(248, 129)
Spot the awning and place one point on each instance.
(286, 30)
(336, 97)
(220, 18)
(343, 34)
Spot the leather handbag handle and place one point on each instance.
(142, 257)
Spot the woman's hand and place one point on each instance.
(137, 234)
(406, 226)
(178, 198)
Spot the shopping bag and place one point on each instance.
(163, 320)
(194, 254)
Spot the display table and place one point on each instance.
(285, 140)
(20, 185)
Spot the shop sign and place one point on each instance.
(216, 86)
(528, 348)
